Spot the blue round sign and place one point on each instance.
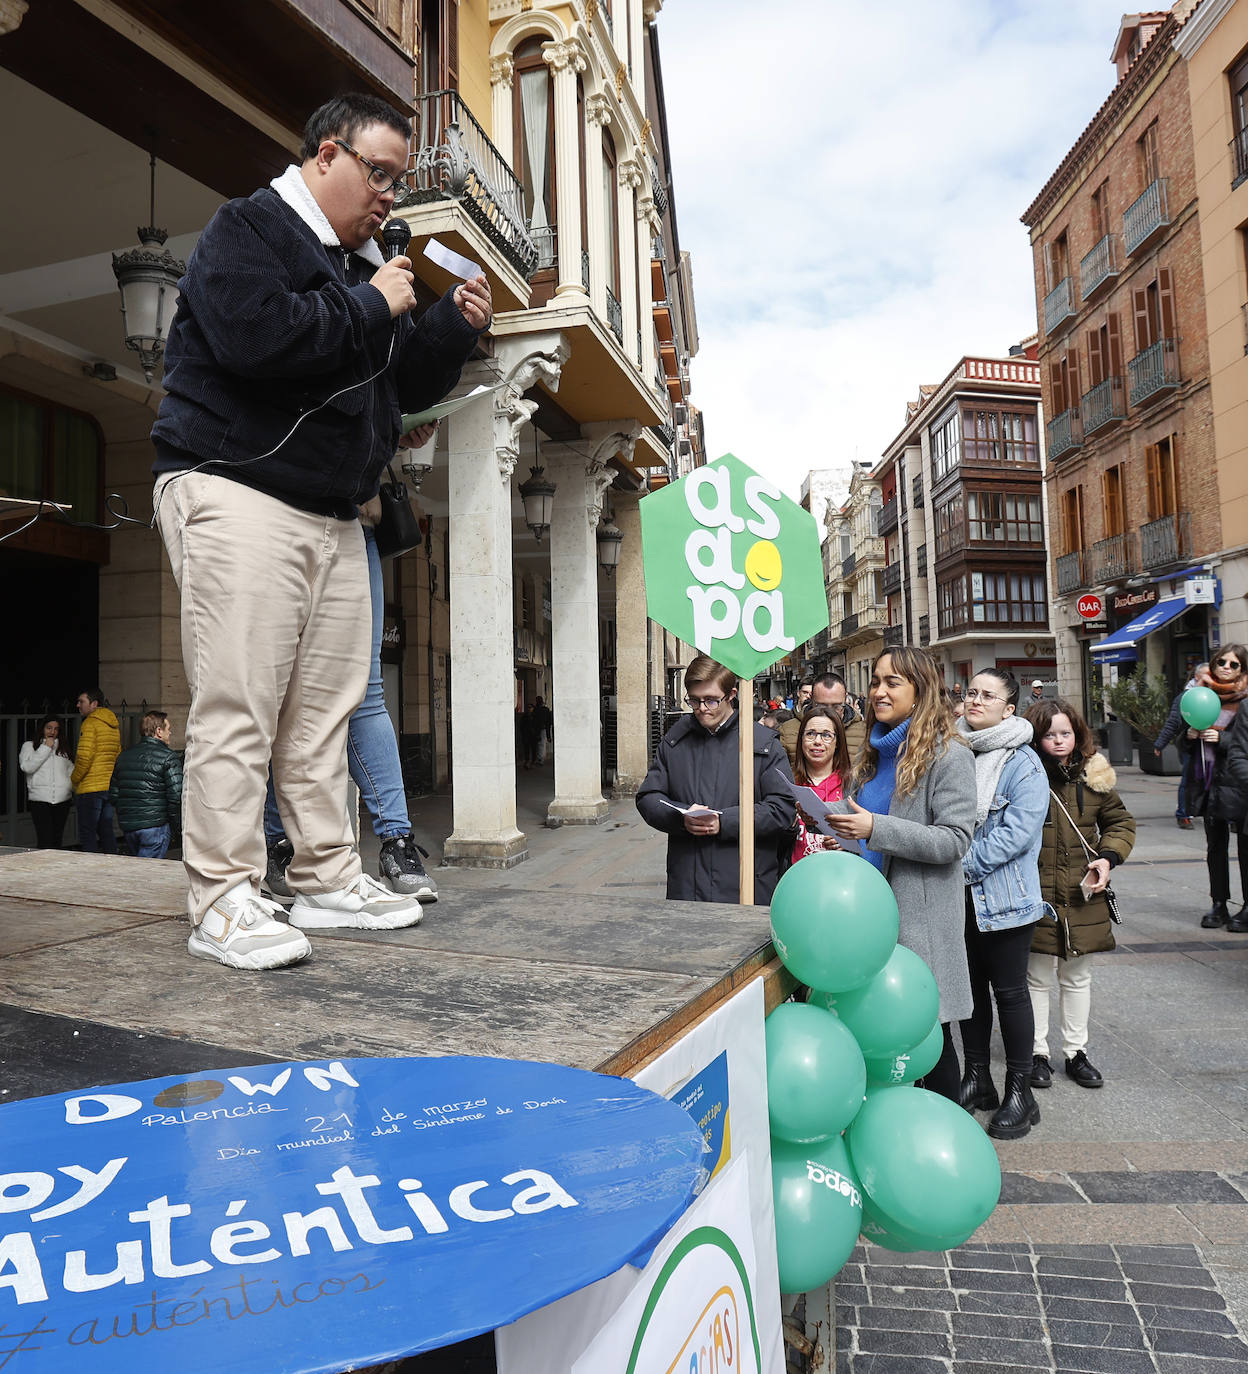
(322, 1216)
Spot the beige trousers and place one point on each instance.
(275, 637)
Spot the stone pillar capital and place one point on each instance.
(568, 56)
(502, 70)
(630, 174)
(598, 109)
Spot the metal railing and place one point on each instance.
(1239, 157)
(920, 561)
(1070, 575)
(916, 491)
(1103, 405)
(545, 240)
(455, 160)
(1099, 266)
(1059, 305)
(1145, 216)
(891, 579)
(925, 629)
(1064, 432)
(1112, 558)
(849, 564)
(894, 636)
(888, 516)
(1168, 540)
(585, 272)
(658, 188)
(615, 315)
(1154, 371)
(849, 625)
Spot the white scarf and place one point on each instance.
(993, 748)
(294, 191)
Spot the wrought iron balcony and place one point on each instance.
(890, 580)
(925, 629)
(585, 271)
(1070, 574)
(888, 516)
(1064, 433)
(455, 160)
(848, 565)
(1103, 406)
(1154, 371)
(920, 561)
(1239, 157)
(665, 434)
(916, 491)
(849, 625)
(1168, 540)
(1112, 558)
(894, 636)
(615, 315)
(1102, 264)
(1059, 305)
(545, 240)
(1147, 216)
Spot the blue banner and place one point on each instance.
(322, 1216)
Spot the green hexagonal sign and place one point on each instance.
(732, 566)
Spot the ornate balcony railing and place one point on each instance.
(1146, 216)
(1112, 558)
(890, 580)
(849, 564)
(455, 160)
(849, 625)
(1065, 432)
(1059, 305)
(888, 516)
(1154, 371)
(545, 241)
(1168, 540)
(585, 274)
(1102, 264)
(615, 315)
(894, 636)
(1239, 157)
(1070, 575)
(658, 188)
(1104, 405)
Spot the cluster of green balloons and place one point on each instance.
(1200, 707)
(853, 1150)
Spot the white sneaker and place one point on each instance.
(365, 905)
(239, 930)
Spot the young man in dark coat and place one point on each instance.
(147, 789)
(697, 765)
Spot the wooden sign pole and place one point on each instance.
(745, 836)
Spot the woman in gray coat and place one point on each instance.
(912, 810)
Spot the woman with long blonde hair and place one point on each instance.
(912, 810)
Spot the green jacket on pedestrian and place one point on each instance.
(147, 786)
(1108, 828)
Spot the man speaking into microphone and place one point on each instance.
(293, 352)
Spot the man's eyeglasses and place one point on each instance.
(704, 703)
(825, 735)
(1227, 663)
(976, 695)
(379, 179)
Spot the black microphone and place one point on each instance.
(395, 237)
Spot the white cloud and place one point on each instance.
(848, 180)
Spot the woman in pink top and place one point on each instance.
(822, 765)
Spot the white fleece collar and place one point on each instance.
(294, 191)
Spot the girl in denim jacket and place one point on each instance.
(1003, 900)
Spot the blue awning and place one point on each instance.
(1120, 646)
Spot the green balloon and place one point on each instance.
(926, 1165)
(903, 1068)
(818, 1206)
(893, 1011)
(886, 1233)
(1200, 707)
(834, 920)
(815, 1073)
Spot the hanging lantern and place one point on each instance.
(148, 279)
(609, 540)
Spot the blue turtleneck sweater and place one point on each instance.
(876, 794)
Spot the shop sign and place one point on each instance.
(1132, 603)
(1199, 591)
(1091, 606)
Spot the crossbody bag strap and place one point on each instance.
(1087, 848)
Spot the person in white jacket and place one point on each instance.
(47, 763)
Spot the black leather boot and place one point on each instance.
(1238, 923)
(1018, 1113)
(1216, 916)
(977, 1092)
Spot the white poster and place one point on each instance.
(718, 1071)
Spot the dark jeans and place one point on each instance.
(49, 819)
(95, 823)
(946, 1077)
(149, 843)
(1217, 856)
(998, 965)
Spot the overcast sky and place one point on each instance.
(848, 179)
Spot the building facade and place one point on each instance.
(963, 522)
(855, 565)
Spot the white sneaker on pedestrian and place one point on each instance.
(239, 930)
(365, 905)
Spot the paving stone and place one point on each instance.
(1089, 1359)
(991, 1281)
(849, 1272)
(1186, 1319)
(851, 1295)
(996, 1325)
(1076, 1266)
(1198, 1343)
(934, 1299)
(926, 1343)
(1008, 1262)
(894, 1364)
(1021, 1188)
(879, 1318)
(1085, 1310)
(893, 1275)
(1118, 1336)
(1182, 1275)
(878, 1257)
(1160, 1254)
(1166, 1296)
(1172, 1185)
(1008, 1354)
(1096, 1290)
(1014, 1304)
(1090, 1252)
(1197, 1364)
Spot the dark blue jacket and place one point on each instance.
(270, 324)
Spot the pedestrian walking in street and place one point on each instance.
(822, 765)
(1088, 832)
(46, 762)
(912, 809)
(147, 789)
(1217, 796)
(99, 743)
(543, 728)
(696, 766)
(1003, 901)
(1176, 729)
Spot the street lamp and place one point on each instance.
(609, 540)
(148, 279)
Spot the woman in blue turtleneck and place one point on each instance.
(912, 810)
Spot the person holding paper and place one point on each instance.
(823, 766)
(292, 355)
(692, 794)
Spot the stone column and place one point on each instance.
(566, 60)
(629, 176)
(598, 114)
(632, 689)
(482, 449)
(648, 223)
(502, 76)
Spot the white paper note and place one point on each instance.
(464, 268)
(818, 811)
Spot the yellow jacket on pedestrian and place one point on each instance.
(99, 743)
